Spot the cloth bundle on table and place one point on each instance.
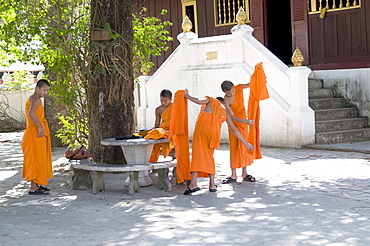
(36, 151)
(258, 92)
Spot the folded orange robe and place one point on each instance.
(258, 92)
(36, 151)
(206, 139)
(239, 154)
(158, 133)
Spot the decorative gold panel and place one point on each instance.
(317, 6)
(225, 11)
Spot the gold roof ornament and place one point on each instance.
(297, 57)
(186, 24)
(241, 17)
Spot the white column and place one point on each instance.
(301, 117)
(141, 112)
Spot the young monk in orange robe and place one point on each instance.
(206, 139)
(258, 92)
(162, 120)
(36, 145)
(239, 155)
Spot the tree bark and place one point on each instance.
(110, 94)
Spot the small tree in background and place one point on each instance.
(57, 33)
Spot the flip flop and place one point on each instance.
(249, 178)
(228, 180)
(189, 191)
(213, 190)
(44, 188)
(38, 192)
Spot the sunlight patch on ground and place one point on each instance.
(7, 174)
(55, 201)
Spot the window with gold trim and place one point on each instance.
(226, 10)
(189, 8)
(316, 6)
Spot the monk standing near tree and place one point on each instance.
(162, 120)
(240, 157)
(206, 139)
(36, 145)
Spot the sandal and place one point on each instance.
(213, 190)
(189, 191)
(249, 178)
(44, 188)
(228, 180)
(38, 192)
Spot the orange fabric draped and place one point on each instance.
(179, 130)
(36, 151)
(239, 154)
(258, 92)
(206, 139)
(161, 132)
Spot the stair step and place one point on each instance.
(320, 93)
(315, 83)
(340, 124)
(327, 103)
(335, 113)
(355, 135)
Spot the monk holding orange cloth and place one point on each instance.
(240, 157)
(36, 145)
(206, 139)
(162, 120)
(258, 92)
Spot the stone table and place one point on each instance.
(136, 152)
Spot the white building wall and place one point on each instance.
(16, 101)
(286, 119)
(353, 84)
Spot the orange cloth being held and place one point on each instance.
(206, 138)
(258, 92)
(36, 151)
(179, 130)
(239, 154)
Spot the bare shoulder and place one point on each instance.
(229, 100)
(34, 100)
(159, 110)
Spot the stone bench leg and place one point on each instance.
(133, 185)
(98, 182)
(163, 182)
(81, 178)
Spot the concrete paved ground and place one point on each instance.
(301, 197)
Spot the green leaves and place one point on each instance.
(150, 39)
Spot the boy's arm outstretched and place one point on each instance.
(195, 99)
(245, 86)
(236, 133)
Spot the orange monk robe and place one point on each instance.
(258, 92)
(239, 154)
(36, 151)
(206, 138)
(165, 147)
(179, 130)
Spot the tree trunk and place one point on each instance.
(110, 94)
(51, 110)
